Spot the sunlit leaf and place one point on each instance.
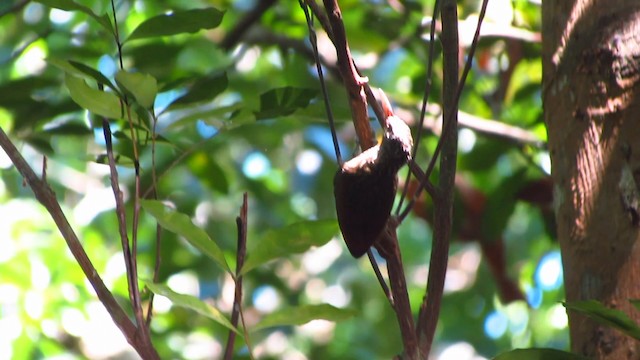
(96, 101)
(69, 5)
(604, 315)
(178, 22)
(182, 225)
(143, 87)
(283, 101)
(292, 239)
(538, 354)
(303, 314)
(191, 302)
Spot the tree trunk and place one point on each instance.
(591, 82)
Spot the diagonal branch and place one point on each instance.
(353, 82)
(45, 195)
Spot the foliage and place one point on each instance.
(249, 117)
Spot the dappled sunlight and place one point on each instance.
(459, 351)
(462, 269)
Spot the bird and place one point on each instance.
(365, 186)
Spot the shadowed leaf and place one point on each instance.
(283, 101)
(69, 5)
(178, 22)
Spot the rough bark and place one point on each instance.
(591, 82)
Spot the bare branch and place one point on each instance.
(241, 222)
(452, 89)
(45, 195)
(353, 82)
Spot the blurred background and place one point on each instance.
(505, 273)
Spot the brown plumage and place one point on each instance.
(365, 186)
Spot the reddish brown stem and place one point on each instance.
(353, 82)
(241, 222)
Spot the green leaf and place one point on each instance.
(191, 302)
(70, 128)
(204, 166)
(283, 101)
(303, 314)
(178, 22)
(95, 74)
(143, 87)
(538, 354)
(80, 69)
(69, 5)
(96, 101)
(635, 302)
(181, 224)
(291, 239)
(203, 89)
(602, 314)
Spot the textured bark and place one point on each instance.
(591, 66)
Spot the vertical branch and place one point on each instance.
(241, 222)
(444, 201)
(430, 308)
(154, 193)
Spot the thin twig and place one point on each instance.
(314, 45)
(446, 121)
(154, 187)
(45, 195)
(425, 100)
(122, 220)
(241, 223)
(381, 280)
(130, 253)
